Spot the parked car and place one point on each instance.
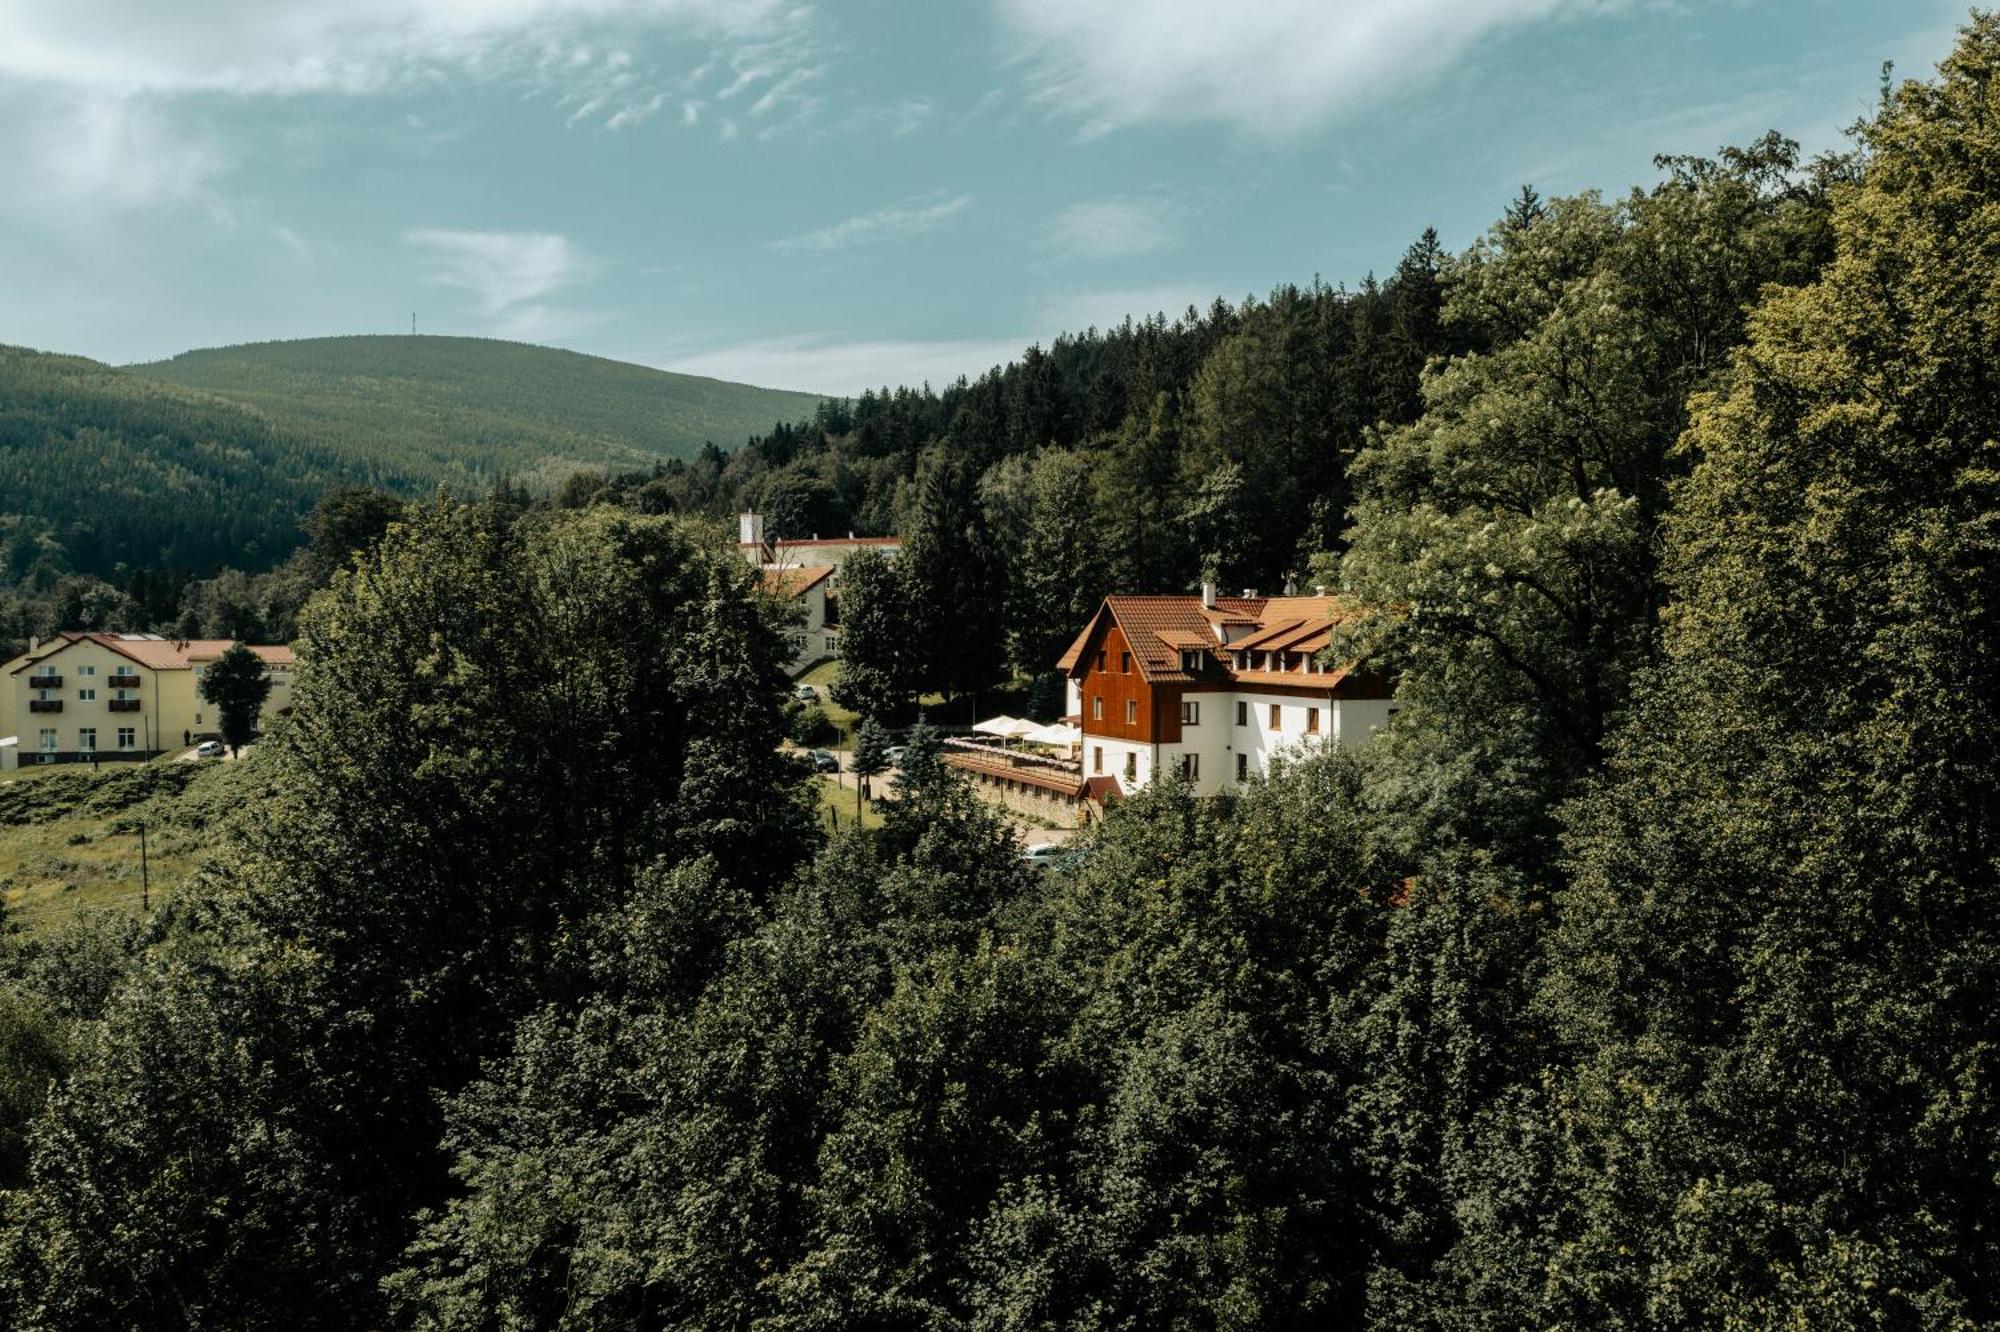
(895, 754)
(208, 749)
(806, 694)
(822, 761)
(1049, 855)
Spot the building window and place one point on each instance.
(1242, 714)
(1097, 708)
(86, 670)
(1131, 712)
(128, 738)
(1131, 767)
(1097, 758)
(1125, 663)
(1312, 721)
(48, 740)
(86, 695)
(1242, 767)
(86, 739)
(1276, 723)
(1191, 662)
(1100, 659)
(1190, 712)
(1191, 767)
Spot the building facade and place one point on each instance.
(1215, 688)
(84, 698)
(806, 572)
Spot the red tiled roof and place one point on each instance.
(167, 654)
(1144, 619)
(796, 582)
(823, 541)
(1160, 627)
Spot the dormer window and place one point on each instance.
(1190, 660)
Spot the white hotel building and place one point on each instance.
(1213, 687)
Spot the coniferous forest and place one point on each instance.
(1642, 975)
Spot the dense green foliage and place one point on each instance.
(461, 412)
(100, 469)
(1641, 977)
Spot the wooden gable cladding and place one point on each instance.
(1158, 712)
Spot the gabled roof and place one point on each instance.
(1160, 628)
(162, 654)
(1144, 621)
(797, 582)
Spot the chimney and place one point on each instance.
(34, 642)
(1319, 589)
(1208, 595)
(1291, 586)
(750, 528)
(1249, 594)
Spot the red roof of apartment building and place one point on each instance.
(157, 653)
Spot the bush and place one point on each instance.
(811, 727)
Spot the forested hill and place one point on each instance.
(111, 469)
(460, 411)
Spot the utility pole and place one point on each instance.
(413, 323)
(145, 879)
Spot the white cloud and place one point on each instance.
(577, 52)
(1273, 69)
(899, 119)
(71, 159)
(293, 241)
(1112, 228)
(309, 46)
(910, 217)
(507, 271)
(821, 365)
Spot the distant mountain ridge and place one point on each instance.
(212, 457)
(420, 409)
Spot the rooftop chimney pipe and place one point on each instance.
(1208, 595)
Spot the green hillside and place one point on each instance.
(124, 470)
(429, 410)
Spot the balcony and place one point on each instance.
(45, 682)
(45, 705)
(124, 682)
(123, 705)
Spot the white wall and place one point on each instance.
(1217, 739)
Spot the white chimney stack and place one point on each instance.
(1208, 595)
(750, 528)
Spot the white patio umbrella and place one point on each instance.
(1007, 728)
(1057, 734)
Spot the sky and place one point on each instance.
(832, 196)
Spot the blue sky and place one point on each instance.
(835, 195)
